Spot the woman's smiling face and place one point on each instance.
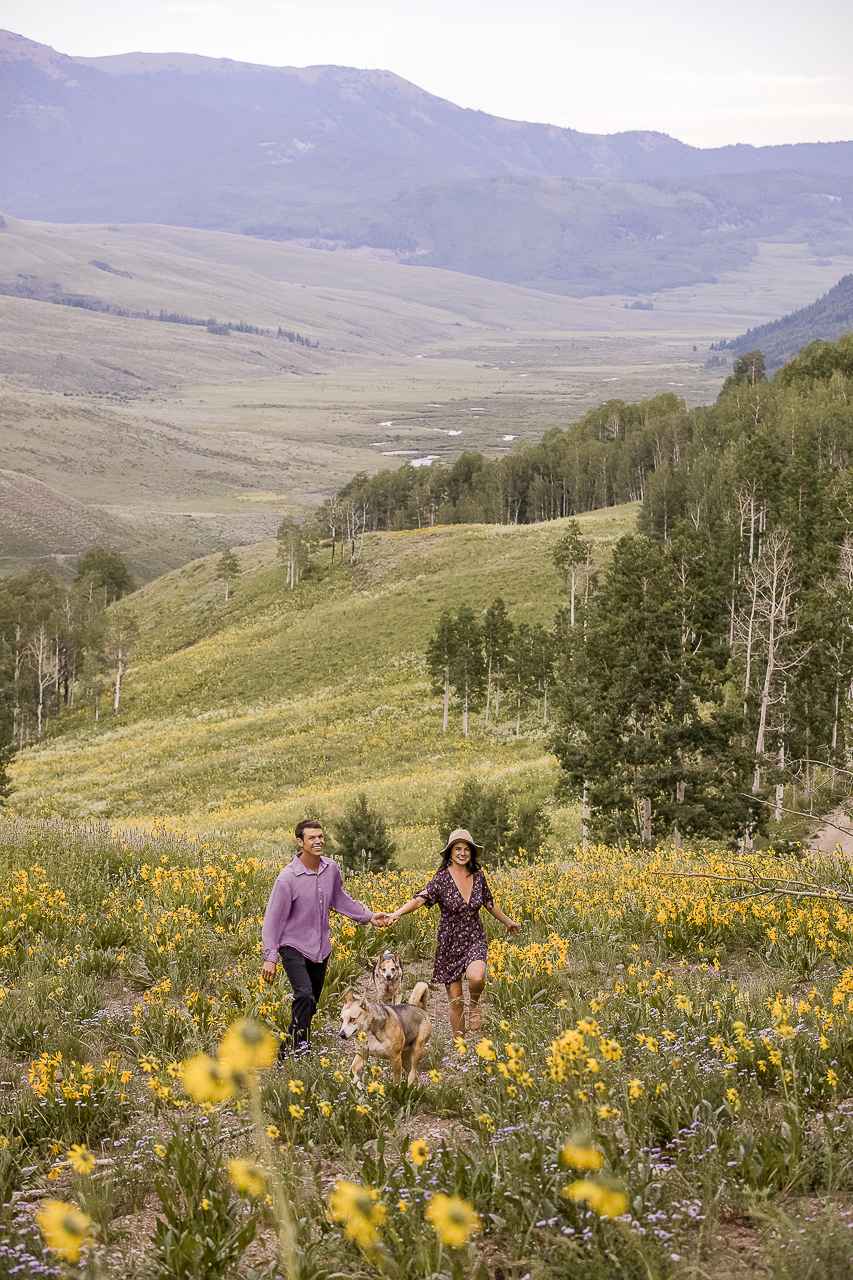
(460, 853)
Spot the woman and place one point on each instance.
(460, 888)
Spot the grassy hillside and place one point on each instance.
(239, 718)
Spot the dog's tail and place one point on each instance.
(419, 996)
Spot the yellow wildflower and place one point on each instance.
(64, 1228)
(418, 1152)
(204, 1081)
(247, 1177)
(247, 1046)
(453, 1220)
(606, 1201)
(81, 1159)
(581, 1157)
(360, 1209)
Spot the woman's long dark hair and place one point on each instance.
(473, 866)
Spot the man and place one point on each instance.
(296, 926)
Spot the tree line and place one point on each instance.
(35, 290)
(614, 454)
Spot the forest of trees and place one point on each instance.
(704, 680)
(58, 643)
(491, 663)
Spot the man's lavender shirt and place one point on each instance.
(297, 913)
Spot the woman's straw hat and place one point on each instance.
(461, 834)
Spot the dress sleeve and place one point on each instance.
(432, 893)
(488, 900)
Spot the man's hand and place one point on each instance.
(380, 919)
(269, 971)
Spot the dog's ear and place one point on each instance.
(363, 1003)
(349, 996)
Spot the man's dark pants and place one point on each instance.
(307, 978)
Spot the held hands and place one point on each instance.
(382, 919)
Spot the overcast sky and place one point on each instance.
(759, 71)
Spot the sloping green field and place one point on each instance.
(239, 718)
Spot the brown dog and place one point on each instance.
(388, 978)
(400, 1032)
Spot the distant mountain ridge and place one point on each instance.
(348, 157)
(827, 319)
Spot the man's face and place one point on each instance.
(312, 840)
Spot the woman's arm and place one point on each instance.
(411, 905)
(511, 925)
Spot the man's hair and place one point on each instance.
(303, 826)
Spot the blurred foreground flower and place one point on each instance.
(247, 1046)
(360, 1209)
(609, 1202)
(454, 1220)
(204, 1081)
(64, 1227)
(581, 1157)
(247, 1177)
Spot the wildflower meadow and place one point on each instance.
(661, 1087)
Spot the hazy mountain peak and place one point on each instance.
(16, 48)
(342, 157)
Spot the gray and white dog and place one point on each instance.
(388, 978)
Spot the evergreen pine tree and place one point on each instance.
(361, 839)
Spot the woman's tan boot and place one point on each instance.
(457, 1016)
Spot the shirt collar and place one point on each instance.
(300, 869)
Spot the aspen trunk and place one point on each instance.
(585, 815)
(119, 671)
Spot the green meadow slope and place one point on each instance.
(240, 717)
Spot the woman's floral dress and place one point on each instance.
(461, 937)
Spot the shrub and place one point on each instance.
(361, 840)
(507, 825)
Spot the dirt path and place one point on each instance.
(836, 829)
